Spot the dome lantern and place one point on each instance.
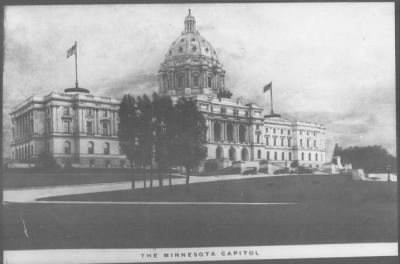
(190, 23)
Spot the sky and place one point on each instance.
(331, 63)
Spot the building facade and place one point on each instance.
(75, 127)
(236, 131)
(78, 128)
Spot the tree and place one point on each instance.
(189, 140)
(370, 158)
(165, 130)
(146, 137)
(128, 132)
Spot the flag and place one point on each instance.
(71, 51)
(268, 87)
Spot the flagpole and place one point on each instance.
(272, 107)
(76, 64)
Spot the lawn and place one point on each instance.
(328, 209)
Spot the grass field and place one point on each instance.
(328, 209)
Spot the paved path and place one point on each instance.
(32, 194)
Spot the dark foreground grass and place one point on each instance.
(34, 178)
(328, 210)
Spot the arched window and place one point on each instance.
(209, 82)
(229, 132)
(245, 154)
(90, 147)
(316, 156)
(106, 148)
(219, 153)
(242, 133)
(283, 155)
(259, 154)
(267, 155)
(309, 156)
(232, 154)
(302, 156)
(217, 132)
(67, 147)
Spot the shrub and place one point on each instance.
(211, 165)
(45, 160)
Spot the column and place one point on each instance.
(212, 130)
(189, 78)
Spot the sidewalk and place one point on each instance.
(33, 194)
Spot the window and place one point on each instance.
(315, 133)
(89, 127)
(309, 156)
(266, 130)
(316, 157)
(282, 131)
(180, 82)
(282, 141)
(242, 133)
(48, 126)
(274, 141)
(67, 147)
(90, 112)
(196, 81)
(274, 130)
(267, 140)
(105, 128)
(267, 155)
(308, 143)
(301, 142)
(290, 155)
(105, 113)
(315, 143)
(258, 138)
(308, 133)
(289, 142)
(90, 147)
(217, 132)
(67, 126)
(276, 155)
(288, 132)
(259, 154)
(209, 81)
(302, 156)
(229, 132)
(66, 110)
(283, 155)
(106, 148)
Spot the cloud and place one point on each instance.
(339, 74)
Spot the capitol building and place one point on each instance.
(81, 129)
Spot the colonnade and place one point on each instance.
(228, 131)
(23, 152)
